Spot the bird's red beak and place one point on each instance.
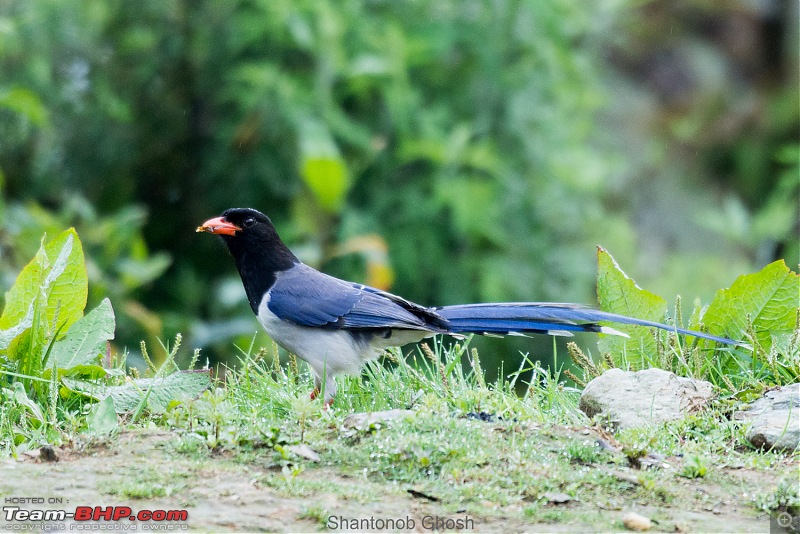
(219, 226)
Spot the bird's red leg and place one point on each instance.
(314, 393)
(327, 404)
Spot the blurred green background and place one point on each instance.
(447, 150)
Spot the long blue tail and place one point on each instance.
(545, 318)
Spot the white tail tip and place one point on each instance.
(612, 331)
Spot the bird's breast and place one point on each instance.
(322, 348)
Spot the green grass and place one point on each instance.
(477, 447)
(785, 497)
(535, 444)
(145, 482)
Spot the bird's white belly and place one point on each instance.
(327, 351)
(330, 351)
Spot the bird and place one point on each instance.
(336, 326)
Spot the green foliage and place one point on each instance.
(50, 355)
(323, 170)
(618, 293)
(158, 393)
(764, 303)
(46, 300)
(26, 103)
(759, 308)
(91, 337)
(694, 467)
(42, 319)
(118, 261)
(469, 146)
(102, 419)
(460, 138)
(785, 497)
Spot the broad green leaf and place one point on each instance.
(20, 299)
(10, 334)
(88, 372)
(771, 298)
(695, 319)
(55, 282)
(21, 398)
(52, 288)
(322, 167)
(617, 293)
(20, 346)
(103, 418)
(181, 386)
(86, 339)
(69, 289)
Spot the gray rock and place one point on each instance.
(775, 419)
(304, 451)
(633, 399)
(365, 419)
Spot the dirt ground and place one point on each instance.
(226, 494)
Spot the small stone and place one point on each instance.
(557, 498)
(634, 521)
(304, 451)
(366, 419)
(775, 419)
(634, 399)
(48, 454)
(626, 477)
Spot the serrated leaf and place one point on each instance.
(21, 298)
(618, 293)
(181, 386)
(770, 296)
(55, 282)
(86, 339)
(52, 289)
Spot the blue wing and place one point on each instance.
(308, 297)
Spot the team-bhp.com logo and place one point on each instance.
(94, 513)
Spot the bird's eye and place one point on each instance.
(249, 222)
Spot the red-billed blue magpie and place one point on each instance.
(336, 325)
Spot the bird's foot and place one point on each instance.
(315, 394)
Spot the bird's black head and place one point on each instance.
(256, 247)
(249, 224)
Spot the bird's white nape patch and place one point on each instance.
(612, 331)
